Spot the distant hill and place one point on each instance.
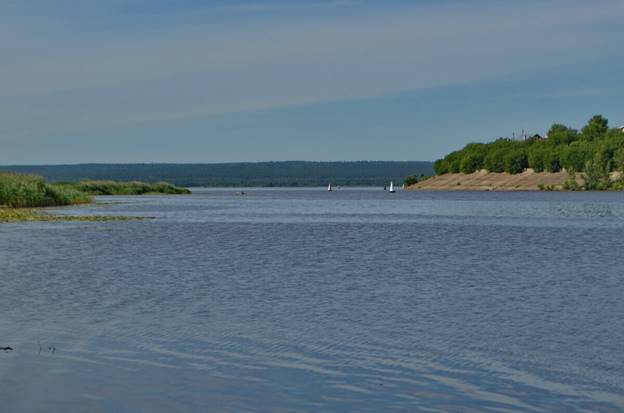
(284, 173)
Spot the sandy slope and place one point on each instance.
(491, 181)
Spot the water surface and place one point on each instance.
(299, 300)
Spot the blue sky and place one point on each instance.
(251, 80)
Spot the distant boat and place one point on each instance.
(392, 188)
(329, 189)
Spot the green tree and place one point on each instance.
(552, 159)
(494, 160)
(473, 159)
(576, 155)
(596, 174)
(441, 167)
(516, 161)
(410, 180)
(559, 134)
(596, 128)
(536, 156)
(618, 158)
(471, 163)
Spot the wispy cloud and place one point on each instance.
(56, 81)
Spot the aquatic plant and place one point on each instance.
(29, 214)
(124, 188)
(26, 191)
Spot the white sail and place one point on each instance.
(391, 187)
(329, 187)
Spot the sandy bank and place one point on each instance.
(483, 180)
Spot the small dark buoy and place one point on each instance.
(6, 348)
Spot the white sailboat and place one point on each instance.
(329, 189)
(392, 188)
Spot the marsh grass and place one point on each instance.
(29, 214)
(125, 188)
(27, 191)
(20, 194)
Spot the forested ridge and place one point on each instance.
(286, 173)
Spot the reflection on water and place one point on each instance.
(303, 300)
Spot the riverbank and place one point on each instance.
(483, 180)
(29, 191)
(125, 188)
(23, 196)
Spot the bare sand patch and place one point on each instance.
(529, 180)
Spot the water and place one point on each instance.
(308, 301)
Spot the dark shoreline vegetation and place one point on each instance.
(31, 214)
(124, 188)
(28, 191)
(20, 193)
(239, 174)
(595, 153)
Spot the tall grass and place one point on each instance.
(126, 188)
(26, 191)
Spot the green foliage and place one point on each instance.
(559, 134)
(576, 155)
(410, 180)
(124, 188)
(441, 167)
(26, 214)
(595, 129)
(471, 163)
(29, 191)
(516, 161)
(552, 159)
(494, 160)
(24, 191)
(473, 157)
(596, 174)
(596, 145)
(618, 159)
(536, 156)
(543, 187)
(570, 183)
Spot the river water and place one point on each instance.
(300, 300)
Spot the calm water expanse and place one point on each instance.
(307, 301)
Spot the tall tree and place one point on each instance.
(596, 128)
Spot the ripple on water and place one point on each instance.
(294, 301)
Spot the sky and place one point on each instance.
(249, 80)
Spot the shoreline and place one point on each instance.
(483, 180)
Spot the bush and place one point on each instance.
(441, 167)
(494, 161)
(552, 160)
(516, 161)
(596, 175)
(471, 163)
(410, 180)
(570, 183)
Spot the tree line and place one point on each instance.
(595, 150)
(286, 173)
